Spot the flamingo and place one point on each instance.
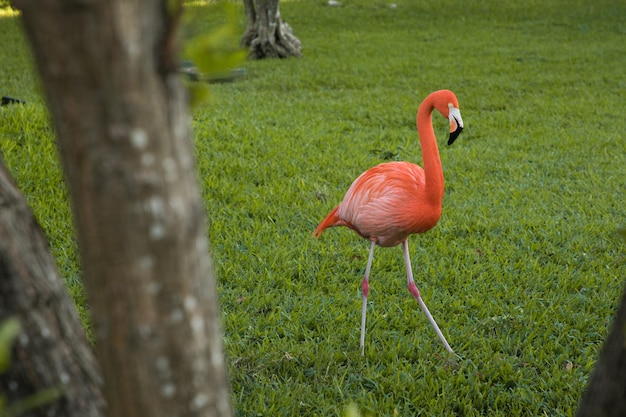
(391, 201)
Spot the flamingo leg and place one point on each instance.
(365, 288)
(416, 294)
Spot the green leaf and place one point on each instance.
(31, 402)
(216, 52)
(198, 93)
(352, 410)
(9, 330)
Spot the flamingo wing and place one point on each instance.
(381, 204)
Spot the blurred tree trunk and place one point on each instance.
(108, 70)
(267, 35)
(51, 351)
(605, 395)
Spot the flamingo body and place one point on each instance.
(386, 205)
(391, 201)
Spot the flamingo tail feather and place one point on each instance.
(331, 220)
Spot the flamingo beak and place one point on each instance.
(456, 123)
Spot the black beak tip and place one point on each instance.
(454, 135)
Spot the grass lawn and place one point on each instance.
(524, 270)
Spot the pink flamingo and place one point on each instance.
(389, 202)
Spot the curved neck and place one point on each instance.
(430, 153)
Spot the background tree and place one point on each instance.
(109, 74)
(267, 35)
(605, 395)
(51, 356)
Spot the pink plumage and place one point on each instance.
(379, 208)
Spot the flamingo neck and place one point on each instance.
(430, 153)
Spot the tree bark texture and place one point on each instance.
(51, 350)
(108, 69)
(605, 395)
(267, 35)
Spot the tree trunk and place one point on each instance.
(267, 35)
(108, 69)
(605, 395)
(51, 351)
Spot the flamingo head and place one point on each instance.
(456, 123)
(447, 104)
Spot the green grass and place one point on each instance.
(523, 272)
